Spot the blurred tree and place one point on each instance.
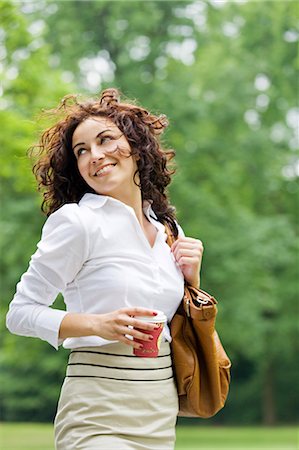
(99, 40)
(28, 382)
(237, 156)
(225, 74)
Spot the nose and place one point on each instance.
(96, 154)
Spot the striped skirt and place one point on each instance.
(111, 399)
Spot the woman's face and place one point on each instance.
(103, 158)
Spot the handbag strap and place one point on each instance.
(170, 236)
(198, 304)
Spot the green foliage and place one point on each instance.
(132, 33)
(231, 108)
(28, 87)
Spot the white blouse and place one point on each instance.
(96, 254)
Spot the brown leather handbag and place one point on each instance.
(201, 366)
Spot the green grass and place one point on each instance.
(40, 437)
(237, 438)
(26, 436)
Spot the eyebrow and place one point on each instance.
(99, 134)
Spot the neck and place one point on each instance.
(134, 200)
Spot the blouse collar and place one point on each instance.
(95, 201)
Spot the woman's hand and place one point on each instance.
(117, 325)
(188, 254)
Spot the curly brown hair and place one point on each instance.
(56, 168)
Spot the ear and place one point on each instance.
(136, 157)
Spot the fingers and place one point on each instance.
(185, 260)
(141, 325)
(187, 243)
(129, 333)
(126, 317)
(187, 247)
(125, 328)
(139, 330)
(130, 342)
(136, 334)
(136, 311)
(187, 252)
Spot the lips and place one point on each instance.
(103, 169)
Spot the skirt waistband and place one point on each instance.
(117, 362)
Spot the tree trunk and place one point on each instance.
(268, 395)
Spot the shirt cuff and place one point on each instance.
(48, 325)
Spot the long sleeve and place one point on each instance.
(60, 254)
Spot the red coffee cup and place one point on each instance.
(151, 348)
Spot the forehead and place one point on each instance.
(92, 126)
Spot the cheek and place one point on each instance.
(82, 167)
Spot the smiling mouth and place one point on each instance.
(104, 170)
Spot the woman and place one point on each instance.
(104, 176)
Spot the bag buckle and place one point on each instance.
(188, 307)
(202, 301)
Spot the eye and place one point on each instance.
(103, 139)
(81, 151)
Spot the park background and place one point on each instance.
(224, 73)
